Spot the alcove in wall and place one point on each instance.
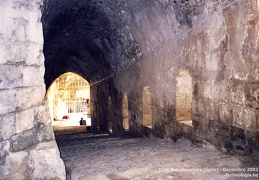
(184, 97)
(147, 107)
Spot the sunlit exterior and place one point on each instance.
(69, 98)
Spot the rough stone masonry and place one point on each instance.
(28, 149)
(183, 67)
(159, 66)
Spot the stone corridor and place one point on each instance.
(90, 156)
(166, 77)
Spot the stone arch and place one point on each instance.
(69, 95)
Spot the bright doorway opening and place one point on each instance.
(125, 112)
(68, 99)
(147, 107)
(184, 97)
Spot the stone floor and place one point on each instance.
(91, 156)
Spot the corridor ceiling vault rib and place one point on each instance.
(90, 38)
(95, 38)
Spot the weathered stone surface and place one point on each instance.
(45, 162)
(21, 98)
(32, 76)
(4, 147)
(251, 95)
(15, 166)
(24, 120)
(23, 140)
(245, 118)
(7, 126)
(20, 9)
(125, 46)
(8, 101)
(225, 113)
(22, 91)
(43, 124)
(10, 76)
(29, 97)
(39, 162)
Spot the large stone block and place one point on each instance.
(211, 109)
(15, 52)
(32, 76)
(20, 53)
(23, 140)
(10, 76)
(42, 114)
(21, 9)
(200, 108)
(41, 161)
(24, 120)
(238, 112)
(252, 95)
(18, 30)
(46, 162)
(43, 124)
(249, 120)
(2, 50)
(8, 101)
(4, 151)
(34, 32)
(35, 55)
(216, 87)
(255, 67)
(225, 113)
(29, 97)
(195, 107)
(206, 89)
(224, 92)
(7, 28)
(15, 166)
(44, 132)
(21, 98)
(244, 118)
(212, 61)
(236, 92)
(7, 126)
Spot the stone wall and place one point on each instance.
(123, 46)
(27, 146)
(216, 43)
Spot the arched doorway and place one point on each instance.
(68, 99)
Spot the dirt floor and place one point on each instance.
(91, 156)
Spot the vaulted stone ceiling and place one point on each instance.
(95, 38)
(86, 37)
